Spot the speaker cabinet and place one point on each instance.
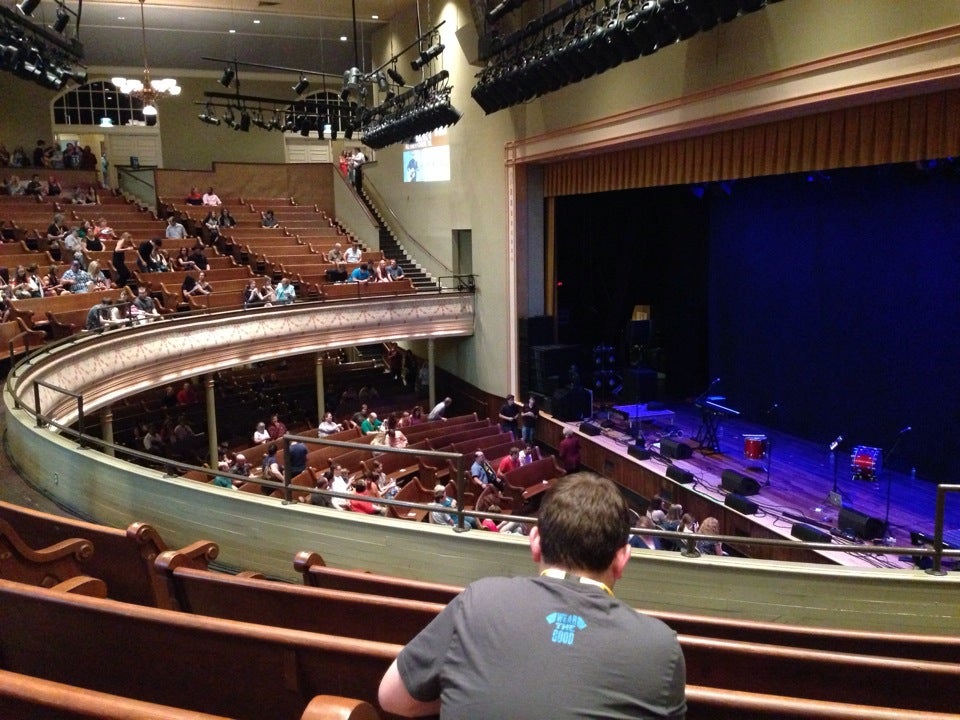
(674, 449)
(740, 504)
(808, 533)
(734, 482)
(640, 453)
(588, 428)
(680, 475)
(860, 524)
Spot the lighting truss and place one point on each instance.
(39, 54)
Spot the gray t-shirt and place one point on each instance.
(531, 648)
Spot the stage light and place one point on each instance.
(382, 81)
(426, 56)
(244, 122)
(27, 7)
(63, 19)
(208, 117)
(228, 74)
(301, 87)
(396, 76)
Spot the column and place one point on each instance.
(321, 400)
(212, 443)
(106, 429)
(431, 382)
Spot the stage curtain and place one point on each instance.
(923, 127)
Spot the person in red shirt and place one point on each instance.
(509, 462)
(362, 506)
(569, 451)
(187, 395)
(276, 429)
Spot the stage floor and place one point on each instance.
(801, 475)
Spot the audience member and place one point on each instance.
(268, 220)
(97, 281)
(271, 467)
(528, 420)
(260, 434)
(394, 271)
(569, 450)
(370, 424)
(275, 428)
(75, 279)
(210, 198)
(187, 395)
(509, 412)
(252, 297)
(118, 259)
(710, 526)
(226, 219)
(285, 293)
(97, 314)
(175, 229)
(56, 231)
(439, 411)
(194, 197)
(144, 308)
(353, 253)
(361, 274)
(580, 546)
(328, 425)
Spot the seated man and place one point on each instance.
(268, 221)
(482, 472)
(98, 313)
(285, 293)
(508, 463)
(276, 429)
(75, 279)
(144, 307)
(361, 274)
(336, 257)
(371, 424)
(439, 411)
(194, 197)
(210, 198)
(569, 624)
(328, 425)
(353, 254)
(394, 271)
(57, 231)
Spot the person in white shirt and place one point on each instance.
(260, 435)
(210, 198)
(329, 426)
(339, 484)
(353, 253)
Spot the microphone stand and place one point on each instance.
(834, 497)
(888, 538)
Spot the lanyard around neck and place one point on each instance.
(570, 577)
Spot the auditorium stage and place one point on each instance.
(797, 488)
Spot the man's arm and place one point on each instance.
(394, 698)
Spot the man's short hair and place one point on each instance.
(584, 521)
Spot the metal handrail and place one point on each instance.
(687, 540)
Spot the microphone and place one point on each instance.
(905, 430)
(836, 443)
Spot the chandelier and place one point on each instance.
(147, 90)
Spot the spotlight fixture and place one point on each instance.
(27, 7)
(301, 87)
(228, 74)
(396, 76)
(63, 19)
(244, 125)
(260, 122)
(381, 81)
(229, 118)
(208, 117)
(426, 56)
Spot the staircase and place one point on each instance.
(422, 281)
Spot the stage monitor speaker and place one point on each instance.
(674, 449)
(808, 533)
(680, 475)
(740, 504)
(639, 452)
(735, 482)
(588, 428)
(861, 525)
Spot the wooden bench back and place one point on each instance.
(533, 473)
(123, 559)
(334, 612)
(211, 665)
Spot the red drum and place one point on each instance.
(754, 447)
(865, 462)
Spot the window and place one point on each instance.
(88, 104)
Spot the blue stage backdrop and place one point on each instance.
(835, 296)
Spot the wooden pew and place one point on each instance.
(17, 339)
(123, 559)
(940, 648)
(24, 696)
(412, 492)
(183, 660)
(33, 310)
(42, 566)
(279, 604)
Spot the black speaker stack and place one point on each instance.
(589, 428)
(675, 449)
(860, 524)
(640, 453)
(809, 533)
(741, 504)
(680, 475)
(735, 482)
